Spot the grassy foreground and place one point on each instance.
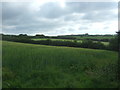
(38, 66)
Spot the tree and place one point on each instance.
(40, 35)
(114, 43)
(86, 34)
(118, 34)
(22, 34)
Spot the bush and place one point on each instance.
(114, 44)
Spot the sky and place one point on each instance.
(59, 18)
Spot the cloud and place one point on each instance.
(52, 18)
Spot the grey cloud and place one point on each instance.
(100, 16)
(91, 6)
(13, 10)
(52, 10)
(83, 28)
(51, 16)
(106, 27)
(72, 17)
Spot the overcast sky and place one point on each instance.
(59, 18)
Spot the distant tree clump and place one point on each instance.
(22, 34)
(39, 35)
(86, 34)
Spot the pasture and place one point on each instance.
(42, 66)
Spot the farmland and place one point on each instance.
(38, 39)
(95, 37)
(59, 44)
(79, 41)
(104, 39)
(42, 66)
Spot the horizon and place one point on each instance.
(55, 35)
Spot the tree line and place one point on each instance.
(88, 43)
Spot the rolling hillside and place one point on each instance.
(37, 66)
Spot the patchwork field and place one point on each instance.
(94, 37)
(79, 41)
(42, 66)
(38, 39)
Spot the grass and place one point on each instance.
(38, 66)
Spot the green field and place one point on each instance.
(38, 66)
(105, 43)
(94, 37)
(38, 39)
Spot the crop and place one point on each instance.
(42, 66)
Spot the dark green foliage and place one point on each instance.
(39, 36)
(114, 44)
(23, 35)
(93, 45)
(85, 44)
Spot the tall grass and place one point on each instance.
(29, 65)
